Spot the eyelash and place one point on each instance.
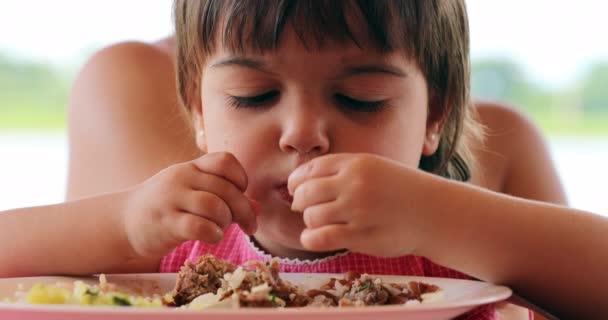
(263, 100)
(359, 105)
(252, 102)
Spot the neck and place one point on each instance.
(277, 250)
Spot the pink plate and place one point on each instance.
(460, 296)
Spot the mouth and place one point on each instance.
(283, 193)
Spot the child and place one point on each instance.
(324, 124)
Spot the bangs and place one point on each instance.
(258, 25)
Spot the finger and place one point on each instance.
(207, 205)
(326, 238)
(240, 207)
(191, 227)
(319, 167)
(256, 206)
(225, 165)
(325, 214)
(314, 192)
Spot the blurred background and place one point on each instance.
(547, 58)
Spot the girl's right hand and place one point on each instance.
(195, 200)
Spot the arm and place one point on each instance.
(549, 254)
(542, 251)
(56, 239)
(128, 231)
(514, 158)
(125, 123)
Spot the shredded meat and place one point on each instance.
(279, 288)
(331, 299)
(417, 289)
(259, 285)
(203, 277)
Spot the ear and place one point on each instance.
(432, 138)
(199, 127)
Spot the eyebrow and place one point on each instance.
(374, 68)
(243, 62)
(350, 71)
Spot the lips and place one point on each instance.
(284, 193)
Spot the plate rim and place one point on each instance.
(499, 293)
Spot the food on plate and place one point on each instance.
(214, 283)
(81, 293)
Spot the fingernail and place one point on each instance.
(298, 171)
(219, 234)
(305, 238)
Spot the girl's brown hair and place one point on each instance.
(433, 33)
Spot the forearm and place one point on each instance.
(554, 256)
(80, 237)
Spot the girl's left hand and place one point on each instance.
(361, 202)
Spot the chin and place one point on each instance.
(288, 236)
(283, 233)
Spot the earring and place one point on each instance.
(201, 142)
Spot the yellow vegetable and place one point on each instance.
(84, 294)
(41, 294)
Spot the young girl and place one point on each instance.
(323, 113)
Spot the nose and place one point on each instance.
(305, 131)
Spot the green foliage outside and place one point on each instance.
(579, 109)
(595, 90)
(34, 96)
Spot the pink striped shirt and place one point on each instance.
(238, 248)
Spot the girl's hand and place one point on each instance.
(194, 200)
(360, 202)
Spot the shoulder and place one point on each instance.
(121, 80)
(127, 61)
(508, 132)
(514, 157)
(502, 121)
(123, 112)
(129, 74)
(158, 51)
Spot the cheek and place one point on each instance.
(225, 132)
(221, 124)
(410, 128)
(402, 143)
(218, 132)
(398, 136)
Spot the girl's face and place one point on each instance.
(278, 110)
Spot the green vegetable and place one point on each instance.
(91, 292)
(364, 287)
(120, 301)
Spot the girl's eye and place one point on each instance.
(359, 105)
(253, 102)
